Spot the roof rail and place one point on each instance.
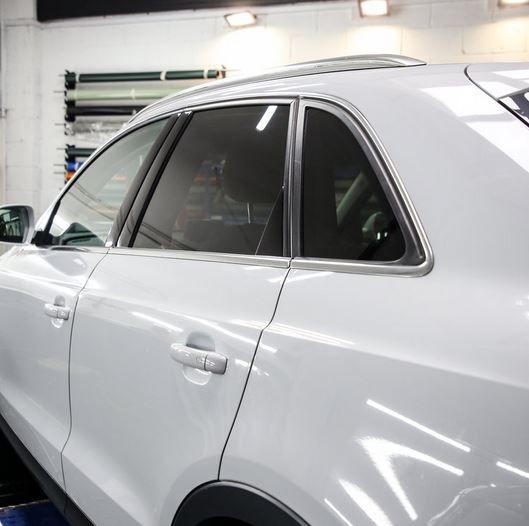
(361, 62)
(328, 65)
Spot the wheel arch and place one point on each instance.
(236, 501)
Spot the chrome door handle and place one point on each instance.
(204, 360)
(56, 311)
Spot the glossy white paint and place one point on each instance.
(34, 348)
(376, 387)
(373, 399)
(401, 400)
(148, 430)
(500, 80)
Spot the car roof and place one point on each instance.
(330, 65)
(500, 79)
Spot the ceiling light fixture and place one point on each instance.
(505, 3)
(241, 19)
(374, 7)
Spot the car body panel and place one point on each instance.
(373, 399)
(148, 430)
(394, 400)
(35, 348)
(358, 408)
(501, 79)
(428, 112)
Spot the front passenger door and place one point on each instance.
(39, 287)
(167, 327)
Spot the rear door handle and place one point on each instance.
(204, 360)
(58, 312)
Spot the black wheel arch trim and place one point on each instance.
(225, 499)
(220, 499)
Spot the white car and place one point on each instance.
(297, 298)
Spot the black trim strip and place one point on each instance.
(289, 178)
(234, 501)
(69, 510)
(296, 189)
(137, 183)
(150, 181)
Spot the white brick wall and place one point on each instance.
(37, 54)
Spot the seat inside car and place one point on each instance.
(248, 191)
(222, 187)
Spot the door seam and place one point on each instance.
(250, 371)
(74, 313)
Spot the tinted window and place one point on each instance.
(88, 210)
(221, 190)
(346, 214)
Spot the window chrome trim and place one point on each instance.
(358, 267)
(74, 248)
(243, 101)
(359, 121)
(213, 257)
(47, 249)
(355, 118)
(218, 100)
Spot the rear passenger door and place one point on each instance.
(332, 370)
(167, 326)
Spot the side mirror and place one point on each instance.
(17, 223)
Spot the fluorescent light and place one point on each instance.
(241, 19)
(374, 7)
(265, 119)
(503, 3)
